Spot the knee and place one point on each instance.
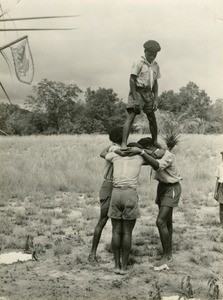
(102, 222)
(130, 118)
(160, 223)
(151, 117)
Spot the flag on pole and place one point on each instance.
(23, 61)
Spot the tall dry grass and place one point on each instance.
(50, 163)
(45, 164)
(39, 166)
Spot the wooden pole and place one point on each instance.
(5, 93)
(14, 42)
(36, 29)
(37, 18)
(3, 132)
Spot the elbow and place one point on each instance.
(156, 166)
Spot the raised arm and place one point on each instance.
(148, 158)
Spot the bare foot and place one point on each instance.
(156, 144)
(117, 270)
(123, 272)
(163, 264)
(92, 258)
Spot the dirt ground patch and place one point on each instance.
(62, 228)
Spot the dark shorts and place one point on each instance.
(105, 196)
(144, 102)
(220, 193)
(124, 204)
(168, 194)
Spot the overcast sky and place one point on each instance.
(109, 38)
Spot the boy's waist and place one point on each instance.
(124, 187)
(143, 88)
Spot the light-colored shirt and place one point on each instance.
(108, 168)
(126, 169)
(219, 173)
(146, 72)
(168, 169)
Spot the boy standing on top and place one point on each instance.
(143, 90)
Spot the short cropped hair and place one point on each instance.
(115, 135)
(132, 144)
(146, 142)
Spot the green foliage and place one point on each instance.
(190, 100)
(56, 108)
(56, 100)
(189, 111)
(104, 110)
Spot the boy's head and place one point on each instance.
(146, 143)
(115, 135)
(151, 48)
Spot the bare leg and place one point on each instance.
(127, 228)
(96, 237)
(221, 213)
(153, 127)
(127, 127)
(164, 217)
(116, 242)
(170, 227)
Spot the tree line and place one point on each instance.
(59, 108)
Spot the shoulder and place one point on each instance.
(167, 159)
(110, 156)
(139, 61)
(155, 64)
(113, 147)
(169, 155)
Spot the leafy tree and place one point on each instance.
(169, 100)
(56, 99)
(18, 123)
(216, 111)
(38, 121)
(194, 101)
(15, 120)
(104, 110)
(190, 101)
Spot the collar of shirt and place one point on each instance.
(144, 60)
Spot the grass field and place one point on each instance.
(49, 190)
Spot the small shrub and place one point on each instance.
(5, 226)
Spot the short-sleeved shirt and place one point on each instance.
(168, 169)
(146, 72)
(219, 173)
(126, 169)
(108, 169)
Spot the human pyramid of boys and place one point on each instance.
(118, 193)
